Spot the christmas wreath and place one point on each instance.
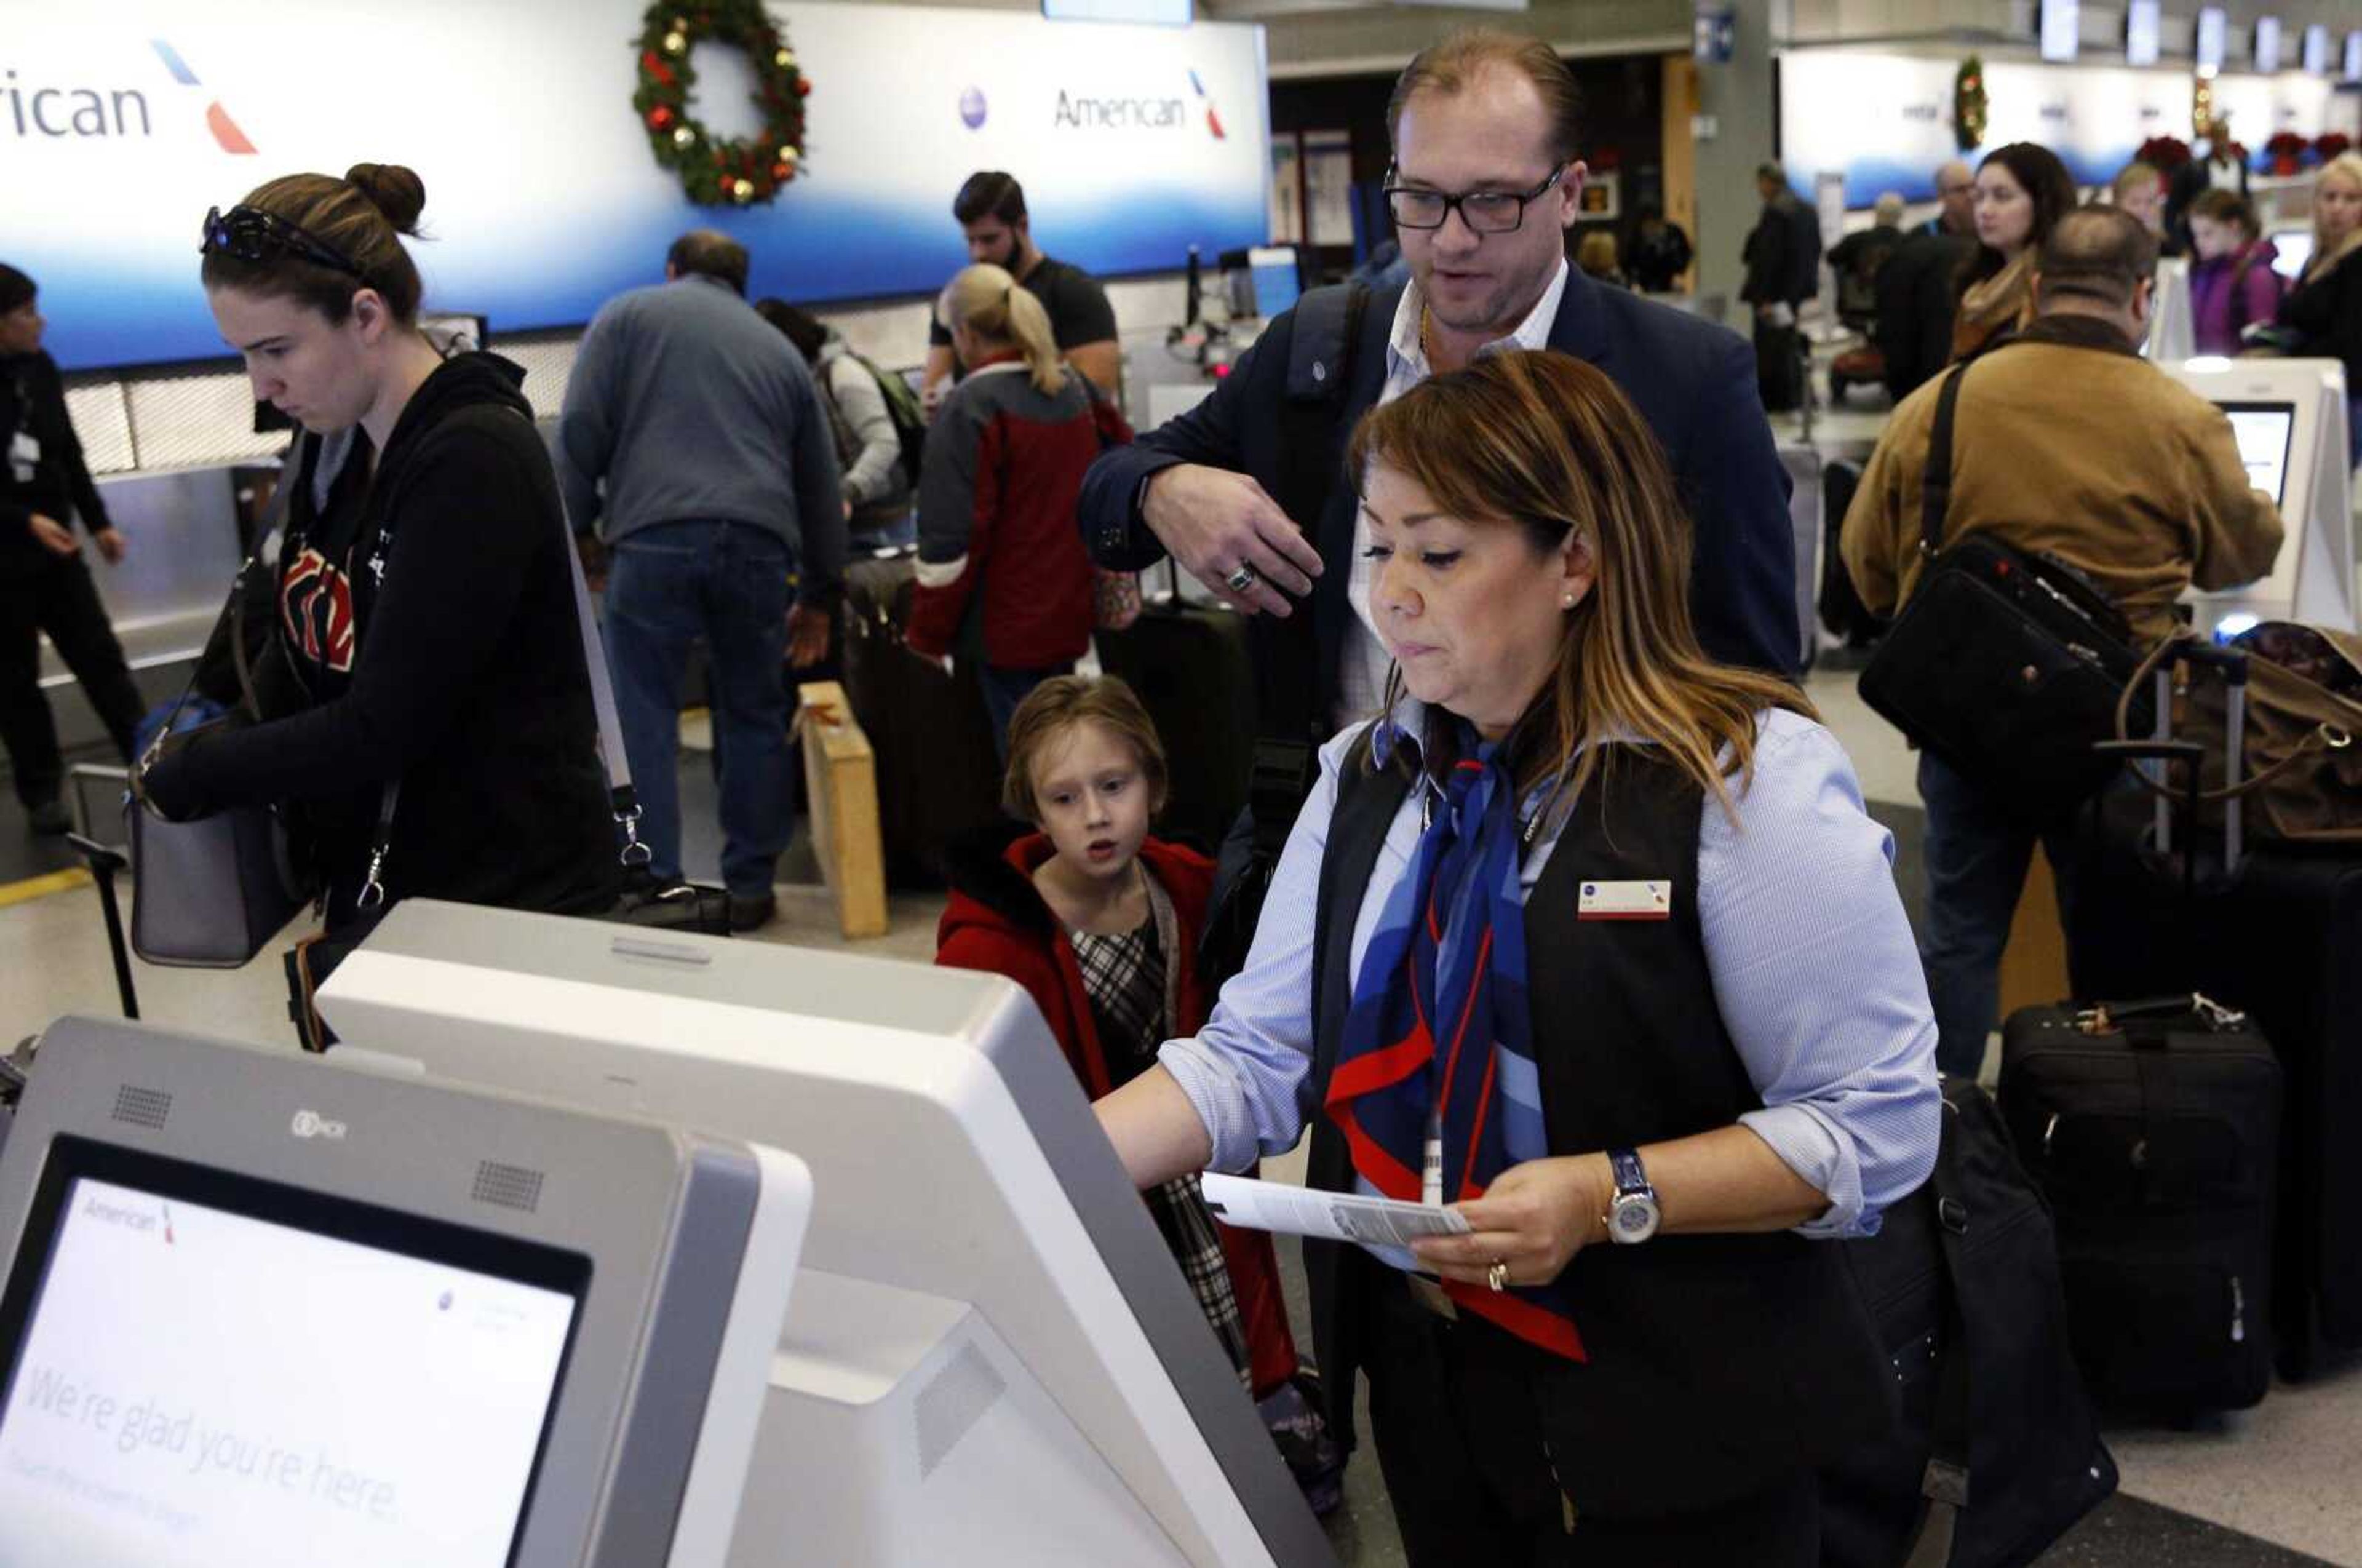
(1968, 105)
(712, 172)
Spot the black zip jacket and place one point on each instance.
(462, 675)
(33, 400)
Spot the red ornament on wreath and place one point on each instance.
(742, 170)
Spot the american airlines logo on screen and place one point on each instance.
(1080, 111)
(120, 113)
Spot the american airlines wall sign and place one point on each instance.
(122, 122)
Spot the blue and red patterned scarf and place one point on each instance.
(1439, 1022)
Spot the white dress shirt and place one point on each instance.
(1362, 664)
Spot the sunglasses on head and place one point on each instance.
(247, 233)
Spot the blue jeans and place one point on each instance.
(727, 583)
(1976, 860)
(1003, 690)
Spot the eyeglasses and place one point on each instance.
(249, 234)
(1486, 212)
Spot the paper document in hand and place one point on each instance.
(1338, 1216)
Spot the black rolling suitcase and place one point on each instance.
(938, 776)
(2274, 933)
(1193, 671)
(2154, 1130)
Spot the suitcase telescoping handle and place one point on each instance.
(2188, 754)
(2231, 666)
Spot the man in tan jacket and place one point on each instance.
(2065, 441)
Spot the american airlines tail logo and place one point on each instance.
(218, 120)
(1213, 115)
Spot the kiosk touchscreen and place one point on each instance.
(2264, 431)
(264, 1311)
(2292, 248)
(991, 1357)
(2288, 417)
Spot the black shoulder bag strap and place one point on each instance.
(1289, 725)
(1936, 484)
(1944, 1485)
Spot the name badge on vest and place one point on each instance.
(1625, 901)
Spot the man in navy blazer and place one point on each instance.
(1485, 183)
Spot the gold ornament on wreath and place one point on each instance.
(740, 172)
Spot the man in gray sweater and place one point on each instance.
(695, 443)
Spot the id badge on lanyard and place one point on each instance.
(23, 455)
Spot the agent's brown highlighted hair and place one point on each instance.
(1549, 444)
(1056, 707)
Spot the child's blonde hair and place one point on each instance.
(1058, 704)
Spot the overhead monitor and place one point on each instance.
(992, 1357)
(2263, 431)
(2141, 32)
(2287, 419)
(2212, 39)
(264, 1310)
(2059, 28)
(2315, 55)
(2267, 52)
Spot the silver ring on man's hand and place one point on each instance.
(1245, 578)
(1497, 1276)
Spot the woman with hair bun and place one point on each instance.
(419, 630)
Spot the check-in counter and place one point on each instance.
(182, 529)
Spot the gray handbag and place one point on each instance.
(208, 894)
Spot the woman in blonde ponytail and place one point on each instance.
(999, 317)
(1003, 580)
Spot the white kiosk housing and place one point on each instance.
(2290, 418)
(262, 1311)
(991, 1357)
(2173, 322)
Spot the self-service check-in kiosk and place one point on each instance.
(2172, 324)
(263, 1310)
(991, 1356)
(2289, 418)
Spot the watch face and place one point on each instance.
(1632, 1218)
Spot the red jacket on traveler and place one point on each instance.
(996, 921)
(1002, 571)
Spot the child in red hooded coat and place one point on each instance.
(1100, 922)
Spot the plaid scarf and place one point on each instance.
(1439, 1029)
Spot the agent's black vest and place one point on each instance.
(1717, 1362)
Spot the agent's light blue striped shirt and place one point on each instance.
(1813, 962)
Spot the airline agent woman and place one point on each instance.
(1591, 938)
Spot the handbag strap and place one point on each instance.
(2179, 643)
(622, 800)
(1935, 483)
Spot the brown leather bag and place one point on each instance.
(2300, 767)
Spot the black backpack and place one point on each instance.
(1997, 1452)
